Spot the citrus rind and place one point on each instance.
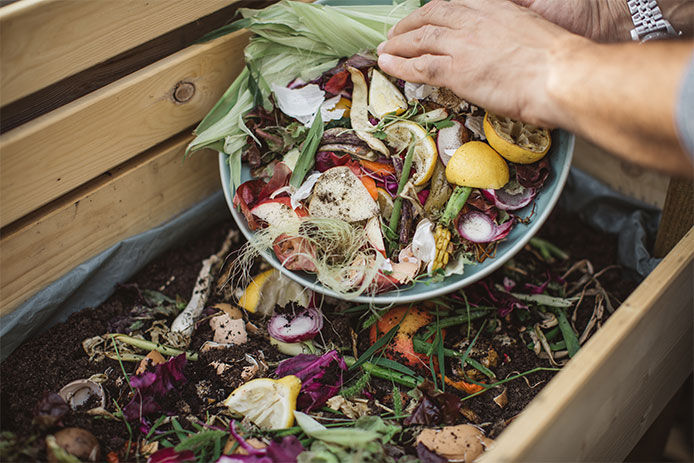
(475, 164)
(399, 135)
(384, 97)
(516, 141)
(268, 403)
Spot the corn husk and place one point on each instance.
(291, 39)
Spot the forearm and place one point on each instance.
(622, 97)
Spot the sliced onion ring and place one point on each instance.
(478, 228)
(290, 328)
(510, 202)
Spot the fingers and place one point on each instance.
(428, 39)
(431, 69)
(436, 12)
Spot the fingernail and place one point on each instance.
(390, 32)
(384, 60)
(380, 46)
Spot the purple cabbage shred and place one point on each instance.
(320, 375)
(152, 387)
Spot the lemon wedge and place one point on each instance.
(269, 403)
(475, 164)
(384, 96)
(400, 133)
(270, 288)
(516, 141)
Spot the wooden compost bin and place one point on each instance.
(98, 100)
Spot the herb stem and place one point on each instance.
(397, 204)
(384, 373)
(149, 345)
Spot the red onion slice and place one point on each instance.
(478, 228)
(510, 201)
(290, 328)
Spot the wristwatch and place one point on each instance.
(649, 23)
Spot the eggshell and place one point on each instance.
(228, 331)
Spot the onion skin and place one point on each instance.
(494, 196)
(284, 327)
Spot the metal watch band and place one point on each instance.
(648, 19)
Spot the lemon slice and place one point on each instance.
(270, 288)
(269, 403)
(516, 141)
(384, 96)
(399, 134)
(475, 164)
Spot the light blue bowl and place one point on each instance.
(560, 160)
(560, 156)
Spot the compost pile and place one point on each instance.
(376, 384)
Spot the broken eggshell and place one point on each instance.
(227, 330)
(463, 443)
(78, 393)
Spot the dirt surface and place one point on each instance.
(56, 357)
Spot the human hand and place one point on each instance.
(599, 20)
(493, 53)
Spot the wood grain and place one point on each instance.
(77, 85)
(130, 199)
(629, 179)
(43, 41)
(606, 397)
(53, 154)
(678, 215)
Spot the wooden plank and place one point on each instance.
(77, 85)
(629, 179)
(128, 200)
(43, 41)
(605, 398)
(678, 215)
(56, 153)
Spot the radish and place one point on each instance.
(449, 139)
(510, 199)
(277, 211)
(478, 228)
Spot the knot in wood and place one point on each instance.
(183, 92)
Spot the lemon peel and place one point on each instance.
(269, 403)
(270, 288)
(475, 164)
(516, 141)
(399, 135)
(384, 96)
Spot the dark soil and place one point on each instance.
(56, 357)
